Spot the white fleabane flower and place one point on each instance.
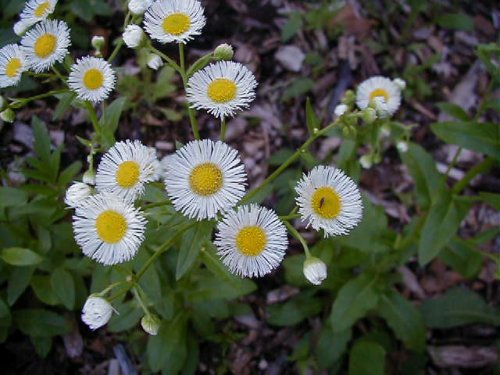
(205, 177)
(92, 78)
(12, 65)
(77, 193)
(178, 21)
(96, 312)
(340, 110)
(133, 36)
(138, 7)
(37, 10)
(107, 229)
(125, 168)
(45, 44)
(251, 241)
(381, 93)
(222, 88)
(315, 270)
(329, 200)
(20, 27)
(155, 62)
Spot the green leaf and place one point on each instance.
(441, 224)
(353, 301)
(404, 319)
(64, 104)
(454, 111)
(110, 119)
(42, 345)
(192, 242)
(457, 307)
(422, 168)
(291, 27)
(11, 197)
(367, 358)
(19, 279)
(299, 87)
(460, 255)
(18, 256)
(42, 139)
(479, 137)
(295, 310)
(127, 318)
(69, 173)
(64, 287)
(331, 345)
(39, 322)
(456, 21)
(492, 199)
(43, 290)
(312, 120)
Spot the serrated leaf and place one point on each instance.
(192, 242)
(64, 287)
(367, 358)
(18, 256)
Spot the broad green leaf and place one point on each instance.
(353, 301)
(404, 319)
(457, 307)
(479, 137)
(64, 104)
(42, 345)
(43, 290)
(460, 255)
(367, 358)
(69, 173)
(4, 309)
(291, 27)
(10, 197)
(39, 322)
(42, 139)
(441, 224)
(492, 199)
(19, 279)
(454, 111)
(455, 21)
(192, 242)
(298, 87)
(109, 120)
(63, 286)
(312, 120)
(295, 310)
(18, 256)
(331, 345)
(127, 318)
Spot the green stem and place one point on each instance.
(453, 162)
(115, 52)
(59, 75)
(93, 116)
(18, 103)
(192, 117)
(169, 61)
(137, 293)
(289, 217)
(223, 129)
(482, 167)
(294, 232)
(289, 161)
(157, 204)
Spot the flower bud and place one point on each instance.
(154, 61)
(366, 161)
(133, 36)
(77, 193)
(349, 97)
(96, 312)
(402, 146)
(89, 177)
(150, 324)
(138, 7)
(8, 115)
(20, 27)
(369, 115)
(223, 52)
(385, 131)
(315, 270)
(98, 42)
(400, 83)
(340, 110)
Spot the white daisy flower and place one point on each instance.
(380, 92)
(329, 200)
(45, 44)
(37, 10)
(92, 78)
(125, 168)
(107, 229)
(205, 177)
(138, 7)
(178, 21)
(155, 62)
(96, 312)
(77, 194)
(251, 241)
(133, 36)
(12, 65)
(315, 270)
(222, 88)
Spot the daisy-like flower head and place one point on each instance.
(92, 78)
(138, 7)
(107, 229)
(37, 10)
(12, 65)
(96, 312)
(125, 168)
(380, 92)
(178, 21)
(45, 44)
(315, 270)
(329, 200)
(222, 88)
(251, 241)
(205, 177)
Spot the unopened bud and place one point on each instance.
(400, 83)
(8, 115)
(133, 36)
(154, 61)
(89, 177)
(340, 110)
(20, 27)
(385, 130)
(402, 146)
(223, 52)
(349, 97)
(138, 7)
(98, 42)
(369, 115)
(150, 324)
(96, 312)
(314, 270)
(366, 161)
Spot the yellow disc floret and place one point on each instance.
(12, 67)
(93, 79)
(128, 174)
(41, 9)
(326, 202)
(222, 90)
(45, 45)
(111, 226)
(176, 24)
(206, 179)
(251, 241)
(379, 93)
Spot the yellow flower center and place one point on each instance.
(326, 202)
(12, 67)
(176, 23)
(379, 93)
(222, 90)
(127, 174)
(111, 226)
(251, 241)
(93, 79)
(45, 45)
(206, 179)
(41, 9)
